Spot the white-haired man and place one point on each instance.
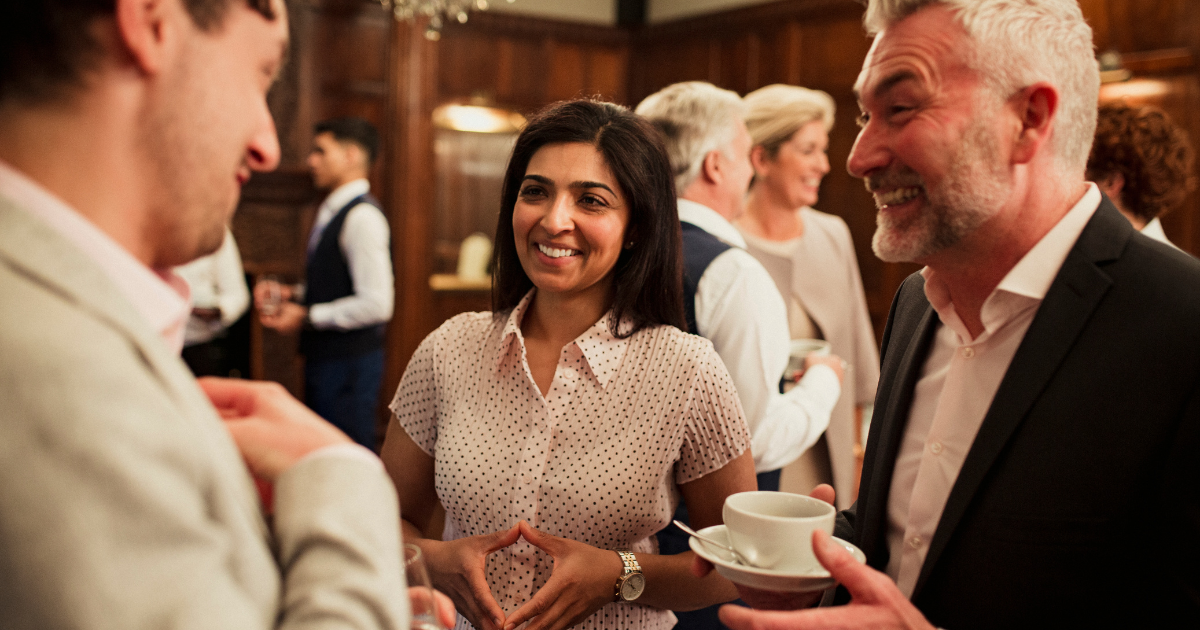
(729, 297)
(1039, 404)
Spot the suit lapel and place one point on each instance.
(1066, 309)
(914, 325)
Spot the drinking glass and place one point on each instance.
(273, 294)
(424, 608)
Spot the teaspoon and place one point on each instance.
(737, 557)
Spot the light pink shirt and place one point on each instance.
(596, 460)
(959, 380)
(160, 296)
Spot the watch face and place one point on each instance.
(633, 586)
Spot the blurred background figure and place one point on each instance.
(219, 299)
(811, 258)
(346, 300)
(1143, 162)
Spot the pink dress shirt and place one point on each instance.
(596, 460)
(959, 380)
(160, 296)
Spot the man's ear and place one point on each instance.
(146, 27)
(1112, 185)
(1035, 108)
(710, 168)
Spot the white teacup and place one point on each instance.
(773, 530)
(800, 348)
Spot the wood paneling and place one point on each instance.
(526, 63)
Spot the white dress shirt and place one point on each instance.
(1154, 230)
(741, 312)
(217, 281)
(956, 388)
(366, 243)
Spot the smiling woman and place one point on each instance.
(560, 430)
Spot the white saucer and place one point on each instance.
(765, 579)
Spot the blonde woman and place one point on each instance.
(810, 255)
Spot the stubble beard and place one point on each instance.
(972, 193)
(189, 214)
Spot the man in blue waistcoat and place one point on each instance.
(346, 300)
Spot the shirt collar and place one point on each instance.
(710, 221)
(592, 344)
(160, 296)
(1026, 284)
(343, 194)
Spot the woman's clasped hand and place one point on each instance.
(580, 584)
(456, 568)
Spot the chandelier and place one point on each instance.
(438, 12)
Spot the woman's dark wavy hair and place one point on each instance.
(648, 277)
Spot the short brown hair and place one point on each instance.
(46, 45)
(1149, 151)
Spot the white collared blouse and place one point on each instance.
(596, 460)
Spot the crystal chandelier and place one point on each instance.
(438, 12)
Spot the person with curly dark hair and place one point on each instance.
(1143, 162)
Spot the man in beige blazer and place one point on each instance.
(125, 135)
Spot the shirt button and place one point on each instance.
(968, 352)
(915, 542)
(526, 478)
(935, 448)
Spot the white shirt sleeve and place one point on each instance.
(233, 298)
(366, 243)
(741, 312)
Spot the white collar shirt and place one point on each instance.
(739, 309)
(333, 202)
(956, 387)
(158, 295)
(365, 242)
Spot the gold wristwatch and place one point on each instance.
(630, 585)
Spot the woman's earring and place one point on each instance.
(629, 245)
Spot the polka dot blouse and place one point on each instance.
(596, 460)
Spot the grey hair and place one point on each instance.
(695, 118)
(1018, 43)
(775, 112)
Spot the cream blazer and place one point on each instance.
(123, 501)
(822, 274)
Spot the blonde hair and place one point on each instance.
(1016, 43)
(695, 118)
(775, 112)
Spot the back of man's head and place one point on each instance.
(1018, 43)
(354, 130)
(695, 118)
(47, 46)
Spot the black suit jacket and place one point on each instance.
(1079, 501)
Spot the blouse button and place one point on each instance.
(968, 352)
(935, 448)
(526, 478)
